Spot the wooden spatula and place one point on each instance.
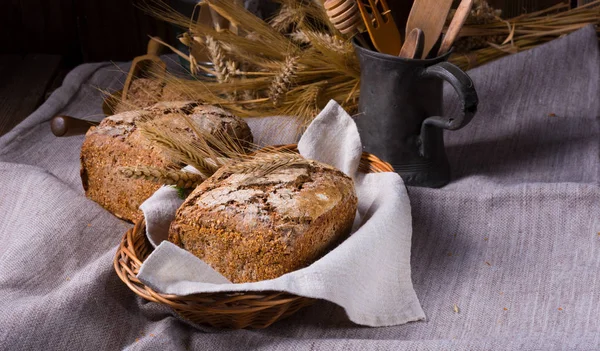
(430, 16)
(413, 45)
(460, 16)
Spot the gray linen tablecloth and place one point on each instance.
(513, 242)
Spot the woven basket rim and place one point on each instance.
(135, 247)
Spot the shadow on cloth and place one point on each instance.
(529, 154)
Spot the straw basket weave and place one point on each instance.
(222, 310)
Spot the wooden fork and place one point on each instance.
(381, 26)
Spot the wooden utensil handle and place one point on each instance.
(154, 47)
(63, 126)
(413, 45)
(460, 17)
(429, 16)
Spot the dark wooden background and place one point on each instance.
(78, 30)
(512, 8)
(41, 40)
(98, 30)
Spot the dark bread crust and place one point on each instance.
(145, 92)
(117, 142)
(255, 228)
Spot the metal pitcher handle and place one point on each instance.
(467, 95)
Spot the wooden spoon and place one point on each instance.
(413, 45)
(460, 16)
(430, 16)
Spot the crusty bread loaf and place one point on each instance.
(251, 228)
(145, 92)
(116, 142)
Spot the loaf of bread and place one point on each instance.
(251, 228)
(145, 92)
(116, 143)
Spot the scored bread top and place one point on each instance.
(252, 228)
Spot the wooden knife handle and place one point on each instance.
(63, 126)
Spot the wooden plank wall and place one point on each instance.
(119, 24)
(98, 30)
(513, 8)
(41, 40)
(79, 30)
(37, 26)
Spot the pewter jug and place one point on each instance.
(400, 117)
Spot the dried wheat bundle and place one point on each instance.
(292, 64)
(520, 33)
(208, 153)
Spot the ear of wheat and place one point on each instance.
(181, 179)
(181, 151)
(487, 37)
(326, 58)
(273, 70)
(209, 153)
(264, 163)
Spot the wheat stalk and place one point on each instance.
(181, 151)
(217, 152)
(325, 41)
(181, 179)
(242, 18)
(307, 105)
(217, 57)
(264, 163)
(278, 73)
(283, 81)
(504, 37)
(287, 17)
(299, 37)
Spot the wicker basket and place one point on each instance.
(222, 310)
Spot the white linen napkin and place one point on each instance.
(368, 274)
